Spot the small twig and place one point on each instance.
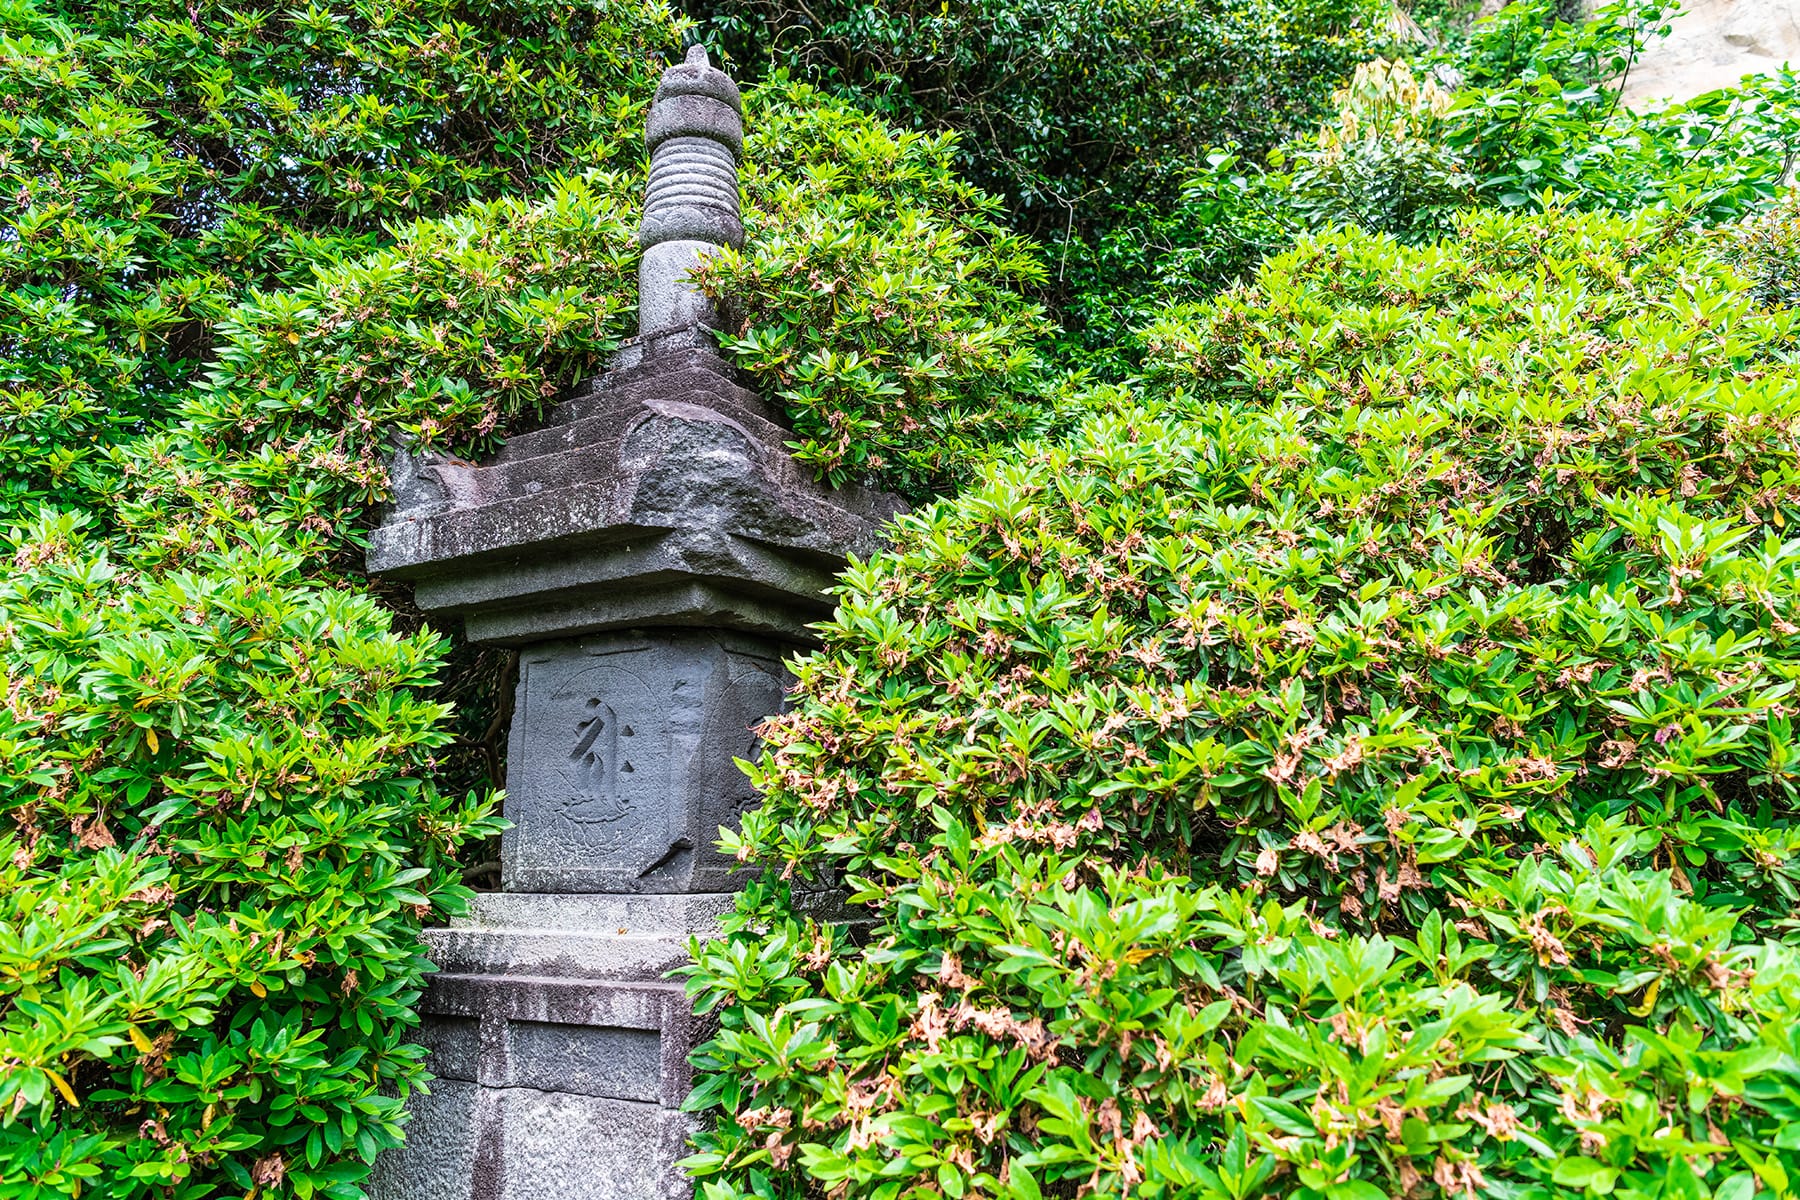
(1068, 232)
(480, 869)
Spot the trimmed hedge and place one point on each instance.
(1357, 762)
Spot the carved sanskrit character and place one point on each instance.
(695, 136)
(598, 759)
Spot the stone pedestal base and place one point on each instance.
(560, 1051)
(548, 1089)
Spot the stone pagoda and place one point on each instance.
(653, 554)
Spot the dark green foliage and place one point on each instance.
(1067, 104)
(1357, 762)
(1766, 249)
(1524, 112)
(1084, 118)
(217, 761)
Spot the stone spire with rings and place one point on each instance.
(695, 136)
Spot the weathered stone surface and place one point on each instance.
(622, 764)
(667, 301)
(615, 1064)
(1713, 44)
(678, 118)
(527, 1144)
(438, 1160)
(664, 496)
(576, 1092)
(695, 135)
(696, 76)
(500, 1004)
(589, 936)
(567, 1147)
(453, 1046)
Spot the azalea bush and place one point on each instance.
(467, 327)
(1766, 249)
(221, 840)
(233, 783)
(163, 161)
(879, 298)
(218, 758)
(1356, 762)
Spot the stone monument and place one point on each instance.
(653, 553)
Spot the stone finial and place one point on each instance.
(695, 137)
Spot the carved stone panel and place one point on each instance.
(621, 767)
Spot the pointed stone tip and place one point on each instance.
(696, 75)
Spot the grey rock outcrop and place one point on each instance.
(1713, 44)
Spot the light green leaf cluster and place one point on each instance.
(463, 330)
(879, 299)
(1526, 113)
(226, 817)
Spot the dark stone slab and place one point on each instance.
(623, 760)
(561, 1090)
(587, 1060)
(593, 1009)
